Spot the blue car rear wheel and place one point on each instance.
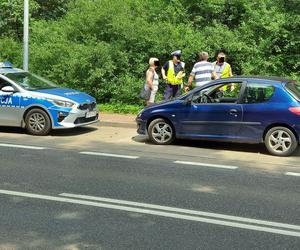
(281, 141)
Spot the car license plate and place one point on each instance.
(90, 114)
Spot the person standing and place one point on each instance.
(173, 74)
(203, 72)
(222, 68)
(151, 85)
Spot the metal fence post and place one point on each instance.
(26, 36)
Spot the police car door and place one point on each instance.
(10, 112)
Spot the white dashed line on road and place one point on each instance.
(110, 155)
(292, 174)
(21, 146)
(276, 228)
(206, 165)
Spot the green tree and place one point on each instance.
(102, 46)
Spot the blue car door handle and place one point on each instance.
(233, 112)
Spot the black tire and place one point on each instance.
(37, 122)
(281, 141)
(161, 132)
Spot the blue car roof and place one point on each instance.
(269, 78)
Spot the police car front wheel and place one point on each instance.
(37, 122)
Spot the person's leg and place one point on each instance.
(152, 96)
(168, 92)
(176, 90)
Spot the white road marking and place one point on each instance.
(110, 155)
(292, 174)
(155, 212)
(205, 164)
(185, 211)
(20, 146)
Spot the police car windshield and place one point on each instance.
(30, 81)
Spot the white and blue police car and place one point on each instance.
(34, 103)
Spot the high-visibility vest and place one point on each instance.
(172, 78)
(223, 71)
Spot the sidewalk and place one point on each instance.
(117, 120)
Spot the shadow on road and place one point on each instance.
(229, 146)
(59, 132)
(215, 145)
(12, 130)
(72, 131)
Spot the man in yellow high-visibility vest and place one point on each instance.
(222, 68)
(173, 74)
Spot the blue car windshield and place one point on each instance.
(294, 89)
(30, 81)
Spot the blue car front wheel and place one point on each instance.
(161, 132)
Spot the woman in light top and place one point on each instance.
(151, 85)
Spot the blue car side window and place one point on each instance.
(258, 93)
(221, 93)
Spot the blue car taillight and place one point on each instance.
(295, 110)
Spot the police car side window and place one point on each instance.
(3, 83)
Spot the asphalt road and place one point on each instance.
(106, 195)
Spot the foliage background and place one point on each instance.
(102, 46)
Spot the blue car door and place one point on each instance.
(219, 117)
(260, 109)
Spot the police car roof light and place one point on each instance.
(6, 65)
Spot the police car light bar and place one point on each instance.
(6, 65)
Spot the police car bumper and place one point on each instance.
(77, 118)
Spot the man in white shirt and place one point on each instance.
(203, 72)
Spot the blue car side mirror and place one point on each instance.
(188, 100)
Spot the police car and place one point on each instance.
(32, 102)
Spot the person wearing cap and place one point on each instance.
(173, 74)
(222, 68)
(151, 85)
(203, 72)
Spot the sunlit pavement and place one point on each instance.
(125, 140)
(105, 187)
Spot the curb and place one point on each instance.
(117, 124)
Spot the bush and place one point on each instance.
(103, 46)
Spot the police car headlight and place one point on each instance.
(64, 104)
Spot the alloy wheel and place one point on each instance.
(162, 132)
(280, 141)
(37, 122)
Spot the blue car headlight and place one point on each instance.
(140, 114)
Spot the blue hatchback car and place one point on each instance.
(30, 101)
(237, 109)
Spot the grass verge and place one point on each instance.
(120, 108)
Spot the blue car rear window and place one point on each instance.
(294, 89)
